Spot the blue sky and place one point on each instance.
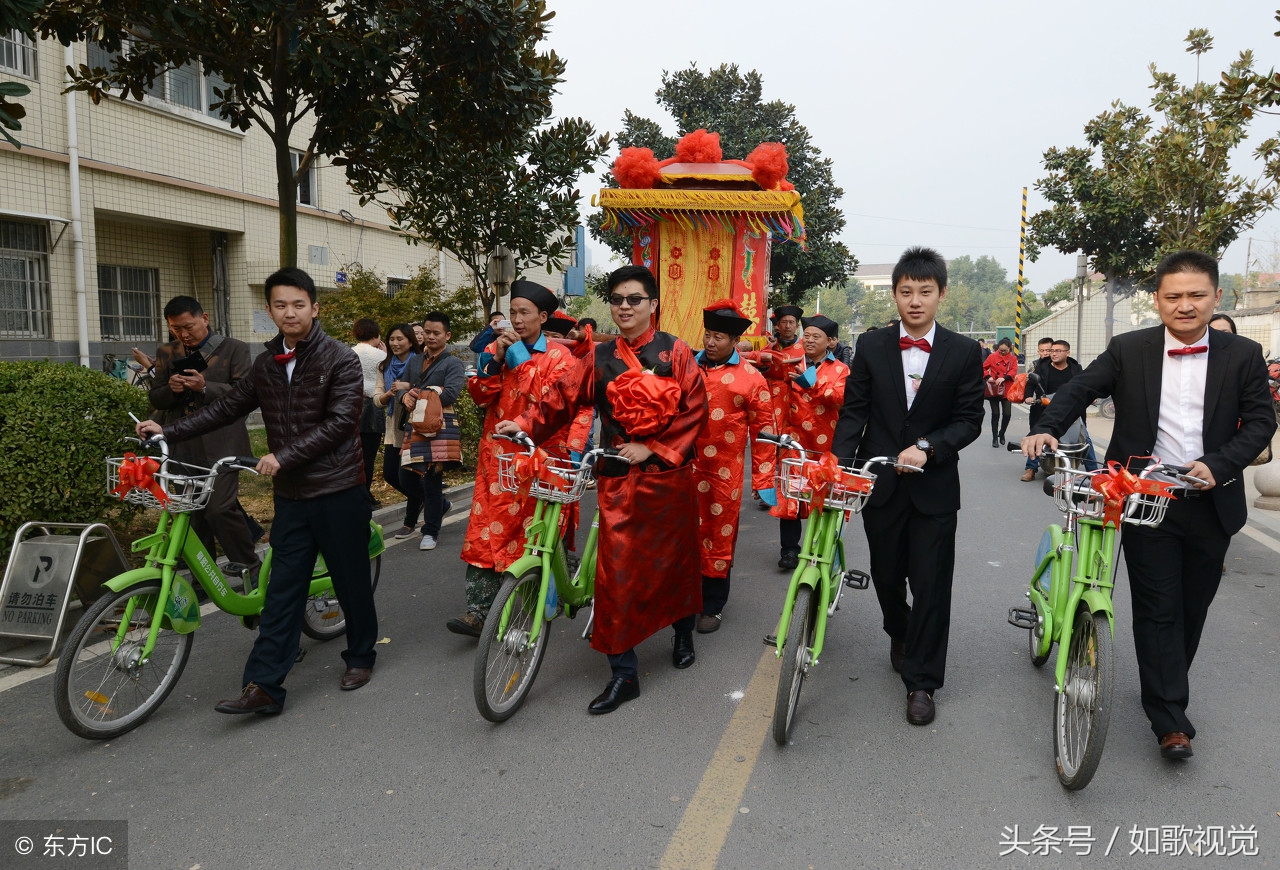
(935, 114)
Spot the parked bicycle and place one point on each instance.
(128, 650)
(1070, 596)
(540, 585)
(813, 595)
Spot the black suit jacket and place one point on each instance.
(948, 409)
(1238, 416)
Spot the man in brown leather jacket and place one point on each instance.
(311, 390)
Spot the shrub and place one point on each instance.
(366, 296)
(470, 422)
(58, 423)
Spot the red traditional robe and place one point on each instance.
(647, 574)
(739, 407)
(812, 417)
(495, 532)
(778, 373)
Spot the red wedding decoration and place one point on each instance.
(139, 472)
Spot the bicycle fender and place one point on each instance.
(377, 544)
(527, 562)
(181, 614)
(1099, 601)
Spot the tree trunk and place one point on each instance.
(287, 193)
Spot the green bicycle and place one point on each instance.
(539, 586)
(818, 581)
(128, 650)
(1070, 595)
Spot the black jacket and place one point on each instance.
(1238, 416)
(312, 420)
(947, 410)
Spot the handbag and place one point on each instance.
(993, 390)
(1017, 391)
(427, 417)
(372, 418)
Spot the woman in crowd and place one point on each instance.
(373, 422)
(402, 344)
(998, 372)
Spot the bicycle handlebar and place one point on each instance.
(523, 439)
(786, 442)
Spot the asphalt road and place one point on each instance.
(405, 773)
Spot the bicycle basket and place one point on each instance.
(186, 492)
(573, 476)
(849, 493)
(1145, 509)
(1074, 494)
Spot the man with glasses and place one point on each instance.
(652, 402)
(194, 370)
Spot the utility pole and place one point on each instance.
(1082, 275)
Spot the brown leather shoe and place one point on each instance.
(897, 654)
(1176, 746)
(919, 707)
(354, 678)
(708, 622)
(1028, 475)
(252, 700)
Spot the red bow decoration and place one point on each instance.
(821, 477)
(284, 358)
(1184, 351)
(529, 467)
(585, 344)
(643, 403)
(906, 341)
(1117, 483)
(139, 472)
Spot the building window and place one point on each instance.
(189, 86)
(395, 285)
(128, 303)
(307, 183)
(24, 280)
(17, 54)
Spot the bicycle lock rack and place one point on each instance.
(45, 564)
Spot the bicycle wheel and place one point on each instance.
(323, 619)
(1082, 710)
(1107, 409)
(102, 693)
(506, 666)
(795, 663)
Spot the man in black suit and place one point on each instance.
(1191, 396)
(914, 392)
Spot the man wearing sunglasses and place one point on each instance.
(649, 392)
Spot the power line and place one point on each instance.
(880, 217)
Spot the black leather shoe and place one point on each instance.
(995, 440)
(682, 655)
(919, 707)
(789, 561)
(354, 678)
(897, 654)
(1176, 746)
(619, 691)
(252, 700)
(1002, 441)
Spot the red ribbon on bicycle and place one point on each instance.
(823, 475)
(1117, 483)
(139, 472)
(529, 467)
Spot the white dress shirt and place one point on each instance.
(1180, 435)
(288, 367)
(914, 361)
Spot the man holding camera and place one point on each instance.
(194, 370)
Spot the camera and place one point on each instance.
(502, 324)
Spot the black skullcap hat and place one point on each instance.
(535, 293)
(826, 324)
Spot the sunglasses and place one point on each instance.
(634, 300)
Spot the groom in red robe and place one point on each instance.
(649, 392)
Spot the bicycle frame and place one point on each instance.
(1093, 546)
(820, 549)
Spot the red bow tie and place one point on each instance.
(905, 342)
(1184, 351)
(284, 358)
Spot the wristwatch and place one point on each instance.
(923, 444)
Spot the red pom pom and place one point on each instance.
(768, 164)
(728, 303)
(699, 147)
(637, 168)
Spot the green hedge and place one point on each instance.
(58, 423)
(470, 422)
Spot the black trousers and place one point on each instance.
(432, 483)
(627, 664)
(409, 485)
(908, 546)
(1174, 572)
(789, 534)
(369, 444)
(337, 526)
(715, 593)
(1000, 425)
(224, 519)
